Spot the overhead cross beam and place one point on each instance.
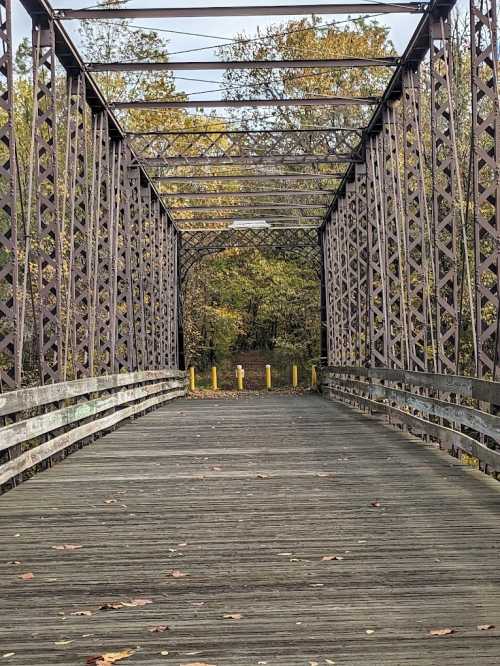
(249, 177)
(326, 63)
(270, 206)
(259, 10)
(255, 193)
(263, 160)
(154, 104)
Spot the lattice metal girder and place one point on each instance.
(252, 194)
(361, 246)
(328, 63)
(244, 103)
(414, 221)
(47, 246)
(248, 177)
(486, 180)
(80, 293)
(446, 244)
(208, 147)
(242, 10)
(295, 241)
(10, 329)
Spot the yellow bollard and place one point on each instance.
(314, 377)
(214, 379)
(268, 378)
(239, 377)
(192, 379)
(295, 376)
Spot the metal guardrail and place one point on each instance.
(52, 420)
(429, 404)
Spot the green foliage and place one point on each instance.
(244, 300)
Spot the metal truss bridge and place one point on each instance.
(285, 530)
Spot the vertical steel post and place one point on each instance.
(414, 224)
(49, 226)
(10, 343)
(362, 277)
(486, 180)
(444, 201)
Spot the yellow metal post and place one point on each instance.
(214, 379)
(295, 376)
(239, 377)
(314, 377)
(268, 378)
(192, 379)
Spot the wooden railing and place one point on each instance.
(44, 423)
(457, 412)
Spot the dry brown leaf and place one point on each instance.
(136, 602)
(232, 616)
(177, 574)
(262, 476)
(66, 546)
(442, 632)
(330, 558)
(109, 658)
(485, 627)
(82, 613)
(159, 628)
(26, 576)
(376, 504)
(110, 501)
(111, 606)
(14, 563)
(216, 468)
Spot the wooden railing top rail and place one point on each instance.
(38, 396)
(467, 387)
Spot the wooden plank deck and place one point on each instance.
(246, 497)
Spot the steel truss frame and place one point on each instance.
(420, 285)
(91, 274)
(89, 280)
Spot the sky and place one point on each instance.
(402, 26)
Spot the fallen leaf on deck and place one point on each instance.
(330, 558)
(177, 574)
(262, 476)
(110, 501)
(109, 658)
(62, 642)
(26, 576)
(376, 504)
(136, 602)
(442, 632)
(85, 613)
(111, 606)
(232, 616)
(67, 546)
(485, 627)
(14, 563)
(216, 468)
(8, 654)
(370, 631)
(159, 628)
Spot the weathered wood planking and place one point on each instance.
(426, 558)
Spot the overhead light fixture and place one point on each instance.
(252, 224)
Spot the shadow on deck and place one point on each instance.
(227, 516)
